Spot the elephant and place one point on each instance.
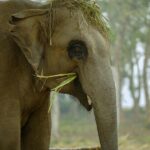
(66, 36)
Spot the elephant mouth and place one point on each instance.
(68, 84)
(75, 89)
(56, 81)
(82, 96)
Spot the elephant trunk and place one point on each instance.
(106, 120)
(97, 82)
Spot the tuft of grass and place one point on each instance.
(93, 14)
(91, 11)
(126, 143)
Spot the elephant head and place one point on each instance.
(65, 37)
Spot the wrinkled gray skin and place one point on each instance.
(25, 51)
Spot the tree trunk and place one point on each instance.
(145, 81)
(55, 117)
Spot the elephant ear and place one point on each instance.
(28, 32)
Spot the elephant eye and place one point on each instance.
(77, 50)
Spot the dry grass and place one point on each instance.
(90, 9)
(83, 133)
(91, 148)
(126, 143)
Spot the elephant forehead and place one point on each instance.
(73, 25)
(69, 26)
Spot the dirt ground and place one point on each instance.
(77, 132)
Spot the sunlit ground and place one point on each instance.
(77, 132)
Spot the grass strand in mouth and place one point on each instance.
(57, 75)
(70, 78)
(57, 89)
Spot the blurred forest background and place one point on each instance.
(129, 21)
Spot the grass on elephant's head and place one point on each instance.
(91, 11)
